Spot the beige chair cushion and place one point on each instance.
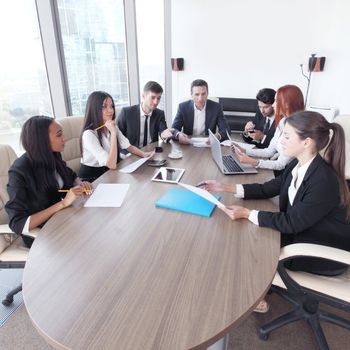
(337, 286)
(16, 252)
(7, 156)
(344, 121)
(72, 127)
(334, 286)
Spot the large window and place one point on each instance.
(150, 42)
(93, 35)
(24, 88)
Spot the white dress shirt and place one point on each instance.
(298, 174)
(199, 121)
(96, 155)
(271, 121)
(274, 149)
(142, 123)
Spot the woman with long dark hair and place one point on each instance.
(313, 193)
(101, 140)
(288, 100)
(36, 177)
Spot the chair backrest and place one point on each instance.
(72, 127)
(344, 121)
(7, 156)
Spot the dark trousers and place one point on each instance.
(91, 173)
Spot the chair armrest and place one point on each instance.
(5, 229)
(314, 250)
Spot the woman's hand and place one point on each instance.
(74, 193)
(87, 187)
(110, 125)
(236, 212)
(243, 158)
(236, 148)
(212, 186)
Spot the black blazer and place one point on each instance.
(213, 117)
(259, 122)
(129, 124)
(316, 215)
(25, 198)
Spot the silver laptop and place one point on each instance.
(228, 163)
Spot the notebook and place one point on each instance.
(186, 201)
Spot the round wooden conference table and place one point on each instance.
(142, 277)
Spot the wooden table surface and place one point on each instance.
(141, 277)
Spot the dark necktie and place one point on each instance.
(267, 126)
(145, 131)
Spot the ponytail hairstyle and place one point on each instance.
(93, 114)
(316, 127)
(289, 100)
(36, 142)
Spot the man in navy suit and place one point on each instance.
(196, 116)
(260, 131)
(142, 124)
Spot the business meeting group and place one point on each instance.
(305, 152)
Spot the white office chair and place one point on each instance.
(307, 291)
(13, 252)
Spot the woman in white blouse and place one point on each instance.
(289, 99)
(100, 146)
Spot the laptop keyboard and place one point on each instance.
(231, 165)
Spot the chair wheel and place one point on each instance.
(7, 302)
(263, 335)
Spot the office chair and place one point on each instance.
(72, 127)
(13, 252)
(307, 291)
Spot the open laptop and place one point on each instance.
(228, 163)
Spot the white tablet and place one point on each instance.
(165, 174)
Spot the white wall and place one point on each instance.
(242, 46)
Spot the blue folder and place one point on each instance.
(186, 201)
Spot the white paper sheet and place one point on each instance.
(108, 195)
(203, 193)
(133, 166)
(246, 146)
(200, 141)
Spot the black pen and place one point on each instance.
(201, 184)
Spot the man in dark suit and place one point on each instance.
(196, 116)
(143, 123)
(260, 131)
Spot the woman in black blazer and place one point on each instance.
(36, 177)
(313, 194)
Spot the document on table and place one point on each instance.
(203, 193)
(200, 141)
(108, 195)
(246, 146)
(133, 166)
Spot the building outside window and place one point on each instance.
(24, 89)
(94, 46)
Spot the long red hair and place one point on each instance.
(289, 99)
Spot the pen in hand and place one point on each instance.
(201, 184)
(66, 191)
